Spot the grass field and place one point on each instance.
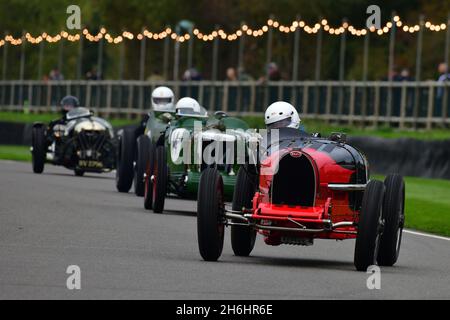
(427, 200)
(258, 122)
(18, 153)
(383, 132)
(9, 116)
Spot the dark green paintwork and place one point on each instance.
(159, 124)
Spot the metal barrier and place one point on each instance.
(401, 103)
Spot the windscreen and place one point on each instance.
(78, 113)
(189, 112)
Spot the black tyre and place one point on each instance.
(210, 215)
(243, 238)
(125, 160)
(142, 156)
(160, 178)
(148, 183)
(39, 150)
(369, 226)
(79, 173)
(394, 219)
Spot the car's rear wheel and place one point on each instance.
(125, 160)
(160, 179)
(369, 226)
(39, 151)
(394, 218)
(210, 215)
(242, 237)
(148, 183)
(142, 156)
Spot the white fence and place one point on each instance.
(423, 104)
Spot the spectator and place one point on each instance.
(244, 76)
(443, 76)
(192, 75)
(405, 75)
(56, 75)
(231, 74)
(93, 75)
(393, 75)
(274, 72)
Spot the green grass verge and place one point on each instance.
(18, 153)
(10, 116)
(383, 132)
(427, 200)
(427, 205)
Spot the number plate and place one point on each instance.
(90, 164)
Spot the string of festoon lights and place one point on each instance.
(243, 30)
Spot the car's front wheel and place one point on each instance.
(242, 237)
(394, 219)
(160, 179)
(125, 160)
(39, 147)
(148, 180)
(210, 215)
(370, 226)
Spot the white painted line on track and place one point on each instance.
(426, 235)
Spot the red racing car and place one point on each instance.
(304, 188)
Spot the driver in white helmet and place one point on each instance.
(190, 107)
(163, 100)
(282, 115)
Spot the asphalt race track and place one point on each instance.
(53, 220)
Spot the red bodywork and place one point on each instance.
(330, 205)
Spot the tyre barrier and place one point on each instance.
(408, 157)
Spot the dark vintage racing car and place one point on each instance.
(300, 189)
(81, 142)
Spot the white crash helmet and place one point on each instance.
(281, 115)
(163, 100)
(188, 106)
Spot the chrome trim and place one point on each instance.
(297, 223)
(247, 223)
(347, 187)
(343, 224)
(236, 216)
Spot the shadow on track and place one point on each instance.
(88, 176)
(302, 263)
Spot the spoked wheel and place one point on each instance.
(125, 161)
(243, 238)
(148, 183)
(370, 226)
(394, 218)
(160, 177)
(142, 156)
(39, 150)
(210, 215)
